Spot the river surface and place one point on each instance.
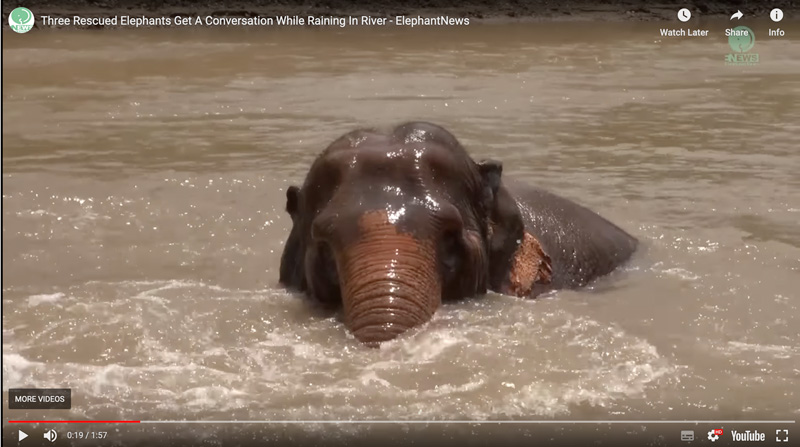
(144, 179)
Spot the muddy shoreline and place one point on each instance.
(476, 10)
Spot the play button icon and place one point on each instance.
(22, 435)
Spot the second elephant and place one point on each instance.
(539, 241)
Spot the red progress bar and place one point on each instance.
(74, 422)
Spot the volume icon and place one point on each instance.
(51, 435)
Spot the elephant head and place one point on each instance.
(388, 225)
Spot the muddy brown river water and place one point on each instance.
(144, 178)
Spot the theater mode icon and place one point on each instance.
(687, 435)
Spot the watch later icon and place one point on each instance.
(687, 435)
(684, 15)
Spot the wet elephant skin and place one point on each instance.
(389, 224)
(577, 244)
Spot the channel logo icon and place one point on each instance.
(21, 20)
(713, 435)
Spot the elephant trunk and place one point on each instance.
(390, 281)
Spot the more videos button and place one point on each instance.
(39, 398)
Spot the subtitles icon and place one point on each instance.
(713, 435)
(687, 435)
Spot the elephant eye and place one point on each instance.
(452, 253)
(321, 228)
(443, 168)
(329, 264)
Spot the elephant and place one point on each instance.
(390, 224)
(540, 241)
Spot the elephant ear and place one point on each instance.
(292, 273)
(491, 171)
(506, 229)
(292, 200)
(518, 264)
(531, 269)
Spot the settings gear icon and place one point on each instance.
(712, 436)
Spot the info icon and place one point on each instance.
(687, 435)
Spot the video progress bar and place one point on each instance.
(466, 422)
(416, 422)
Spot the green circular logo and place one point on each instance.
(21, 20)
(741, 39)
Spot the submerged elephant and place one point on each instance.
(389, 225)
